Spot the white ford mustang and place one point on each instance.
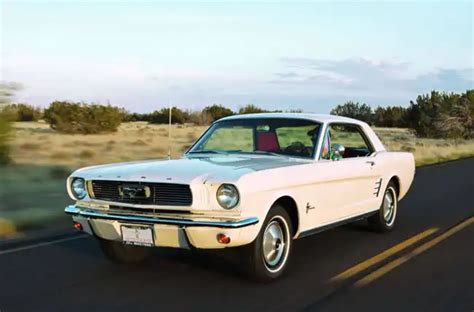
(259, 180)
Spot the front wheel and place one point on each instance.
(269, 253)
(384, 219)
(121, 253)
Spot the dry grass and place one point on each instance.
(35, 143)
(426, 151)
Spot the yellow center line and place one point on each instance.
(399, 261)
(382, 256)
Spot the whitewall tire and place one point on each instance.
(269, 254)
(384, 219)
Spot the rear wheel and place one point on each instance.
(270, 252)
(121, 253)
(384, 220)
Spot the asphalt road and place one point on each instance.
(433, 273)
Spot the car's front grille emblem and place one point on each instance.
(134, 191)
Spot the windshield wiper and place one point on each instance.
(236, 151)
(265, 153)
(207, 152)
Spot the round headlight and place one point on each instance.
(78, 188)
(227, 196)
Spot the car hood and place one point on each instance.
(186, 170)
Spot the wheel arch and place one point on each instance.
(289, 204)
(396, 180)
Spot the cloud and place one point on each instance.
(310, 80)
(373, 77)
(347, 65)
(287, 75)
(447, 79)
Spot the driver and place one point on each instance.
(314, 134)
(327, 152)
(300, 149)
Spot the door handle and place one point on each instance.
(370, 162)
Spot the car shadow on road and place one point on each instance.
(228, 264)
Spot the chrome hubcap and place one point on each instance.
(273, 244)
(389, 206)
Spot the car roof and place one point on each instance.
(322, 118)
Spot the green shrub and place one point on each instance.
(6, 130)
(83, 118)
(251, 109)
(390, 116)
(132, 117)
(354, 110)
(443, 115)
(200, 118)
(217, 111)
(24, 112)
(5, 133)
(162, 116)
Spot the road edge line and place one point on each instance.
(18, 249)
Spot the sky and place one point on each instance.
(286, 55)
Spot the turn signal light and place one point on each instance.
(77, 226)
(223, 239)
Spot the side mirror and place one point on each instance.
(338, 150)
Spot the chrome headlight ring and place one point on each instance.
(78, 188)
(227, 196)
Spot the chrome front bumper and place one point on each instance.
(182, 232)
(75, 211)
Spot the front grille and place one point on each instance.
(166, 194)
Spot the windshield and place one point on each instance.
(273, 136)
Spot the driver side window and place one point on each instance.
(348, 136)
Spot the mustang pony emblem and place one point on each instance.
(134, 191)
(309, 207)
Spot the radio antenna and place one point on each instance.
(169, 131)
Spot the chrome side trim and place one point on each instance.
(73, 210)
(335, 224)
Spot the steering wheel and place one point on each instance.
(297, 147)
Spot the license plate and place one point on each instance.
(137, 235)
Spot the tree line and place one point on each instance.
(78, 117)
(435, 115)
(204, 117)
